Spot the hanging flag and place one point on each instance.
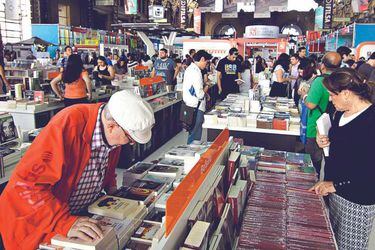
(327, 14)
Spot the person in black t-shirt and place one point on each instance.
(228, 71)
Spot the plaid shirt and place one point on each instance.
(90, 184)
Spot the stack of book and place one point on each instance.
(281, 121)
(281, 213)
(190, 155)
(107, 242)
(147, 232)
(265, 120)
(274, 161)
(136, 172)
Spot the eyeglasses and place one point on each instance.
(130, 139)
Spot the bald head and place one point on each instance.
(332, 60)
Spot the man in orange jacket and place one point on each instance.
(68, 165)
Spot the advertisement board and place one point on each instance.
(261, 31)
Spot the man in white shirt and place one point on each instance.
(194, 91)
(294, 63)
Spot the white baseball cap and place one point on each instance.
(133, 114)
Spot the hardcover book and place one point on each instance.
(146, 232)
(198, 236)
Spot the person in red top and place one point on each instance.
(66, 168)
(76, 80)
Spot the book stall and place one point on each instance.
(272, 122)
(220, 195)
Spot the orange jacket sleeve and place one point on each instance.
(29, 211)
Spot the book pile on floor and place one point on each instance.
(238, 111)
(281, 213)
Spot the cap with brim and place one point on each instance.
(133, 114)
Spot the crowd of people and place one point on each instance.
(333, 83)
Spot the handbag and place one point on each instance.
(188, 116)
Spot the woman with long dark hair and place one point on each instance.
(280, 73)
(306, 75)
(349, 169)
(76, 80)
(246, 77)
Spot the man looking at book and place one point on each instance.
(228, 74)
(194, 91)
(66, 168)
(316, 101)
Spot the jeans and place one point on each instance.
(196, 132)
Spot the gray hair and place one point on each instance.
(107, 114)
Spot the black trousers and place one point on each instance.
(69, 102)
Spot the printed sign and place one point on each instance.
(327, 14)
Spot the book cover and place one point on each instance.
(107, 242)
(233, 163)
(138, 171)
(137, 245)
(39, 96)
(138, 194)
(161, 203)
(157, 187)
(164, 170)
(171, 162)
(146, 232)
(159, 179)
(198, 214)
(155, 215)
(140, 168)
(114, 207)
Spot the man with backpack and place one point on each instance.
(317, 100)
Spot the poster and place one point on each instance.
(278, 5)
(230, 9)
(131, 7)
(262, 9)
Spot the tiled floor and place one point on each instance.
(180, 139)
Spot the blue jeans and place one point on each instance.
(196, 132)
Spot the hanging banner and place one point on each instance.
(230, 9)
(197, 20)
(262, 9)
(12, 10)
(207, 5)
(319, 18)
(278, 5)
(131, 7)
(359, 5)
(246, 5)
(104, 2)
(183, 14)
(327, 14)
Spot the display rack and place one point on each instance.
(192, 189)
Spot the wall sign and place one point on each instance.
(261, 31)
